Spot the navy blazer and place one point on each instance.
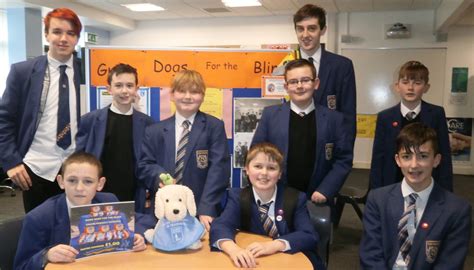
(337, 81)
(20, 105)
(206, 162)
(383, 170)
(301, 238)
(330, 172)
(91, 136)
(448, 226)
(46, 226)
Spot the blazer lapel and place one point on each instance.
(197, 129)
(100, 129)
(396, 206)
(425, 113)
(433, 210)
(323, 74)
(62, 224)
(281, 225)
(169, 138)
(321, 126)
(37, 81)
(138, 128)
(283, 114)
(395, 122)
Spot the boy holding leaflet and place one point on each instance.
(191, 146)
(412, 83)
(415, 224)
(114, 135)
(45, 235)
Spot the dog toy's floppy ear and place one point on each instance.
(190, 203)
(159, 204)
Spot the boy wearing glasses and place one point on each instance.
(412, 83)
(313, 139)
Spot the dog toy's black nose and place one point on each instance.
(175, 211)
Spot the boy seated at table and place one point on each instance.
(259, 209)
(45, 235)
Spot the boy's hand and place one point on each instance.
(206, 221)
(20, 177)
(318, 197)
(61, 253)
(265, 248)
(138, 243)
(242, 258)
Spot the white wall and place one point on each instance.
(249, 32)
(367, 29)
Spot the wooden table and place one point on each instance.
(188, 259)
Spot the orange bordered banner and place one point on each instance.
(219, 68)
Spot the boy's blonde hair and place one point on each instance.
(188, 79)
(82, 157)
(414, 70)
(273, 153)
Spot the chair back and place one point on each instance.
(9, 234)
(320, 215)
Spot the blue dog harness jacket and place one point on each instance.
(176, 235)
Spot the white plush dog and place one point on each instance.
(177, 226)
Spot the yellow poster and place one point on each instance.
(213, 102)
(366, 125)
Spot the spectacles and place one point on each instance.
(303, 81)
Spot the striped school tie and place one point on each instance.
(405, 242)
(268, 225)
(183, 141)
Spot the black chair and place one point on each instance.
(9, 235)
(6, 183)
(352, 195)
(320, 215)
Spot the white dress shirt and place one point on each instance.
(45, 157)
(404, 110)
(316, 58)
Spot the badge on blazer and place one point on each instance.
(431, 250)
(329, 148)
(202, 158)
(331, 99)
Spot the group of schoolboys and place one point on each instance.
(307, 142)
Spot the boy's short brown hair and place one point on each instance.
(82, 157)
(413, 135)
(310, 11)
(268, 149)
(188, 79)
(414, 70)
(301, 63)
(121, 68)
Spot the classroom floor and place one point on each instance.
(345, 245)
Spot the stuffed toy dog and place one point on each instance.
(177, 226)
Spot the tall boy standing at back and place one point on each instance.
(415, 224)
(191, 146)
(317, 154)
(337, 87)
(114, 135)
(39, 111)
(412, 83)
